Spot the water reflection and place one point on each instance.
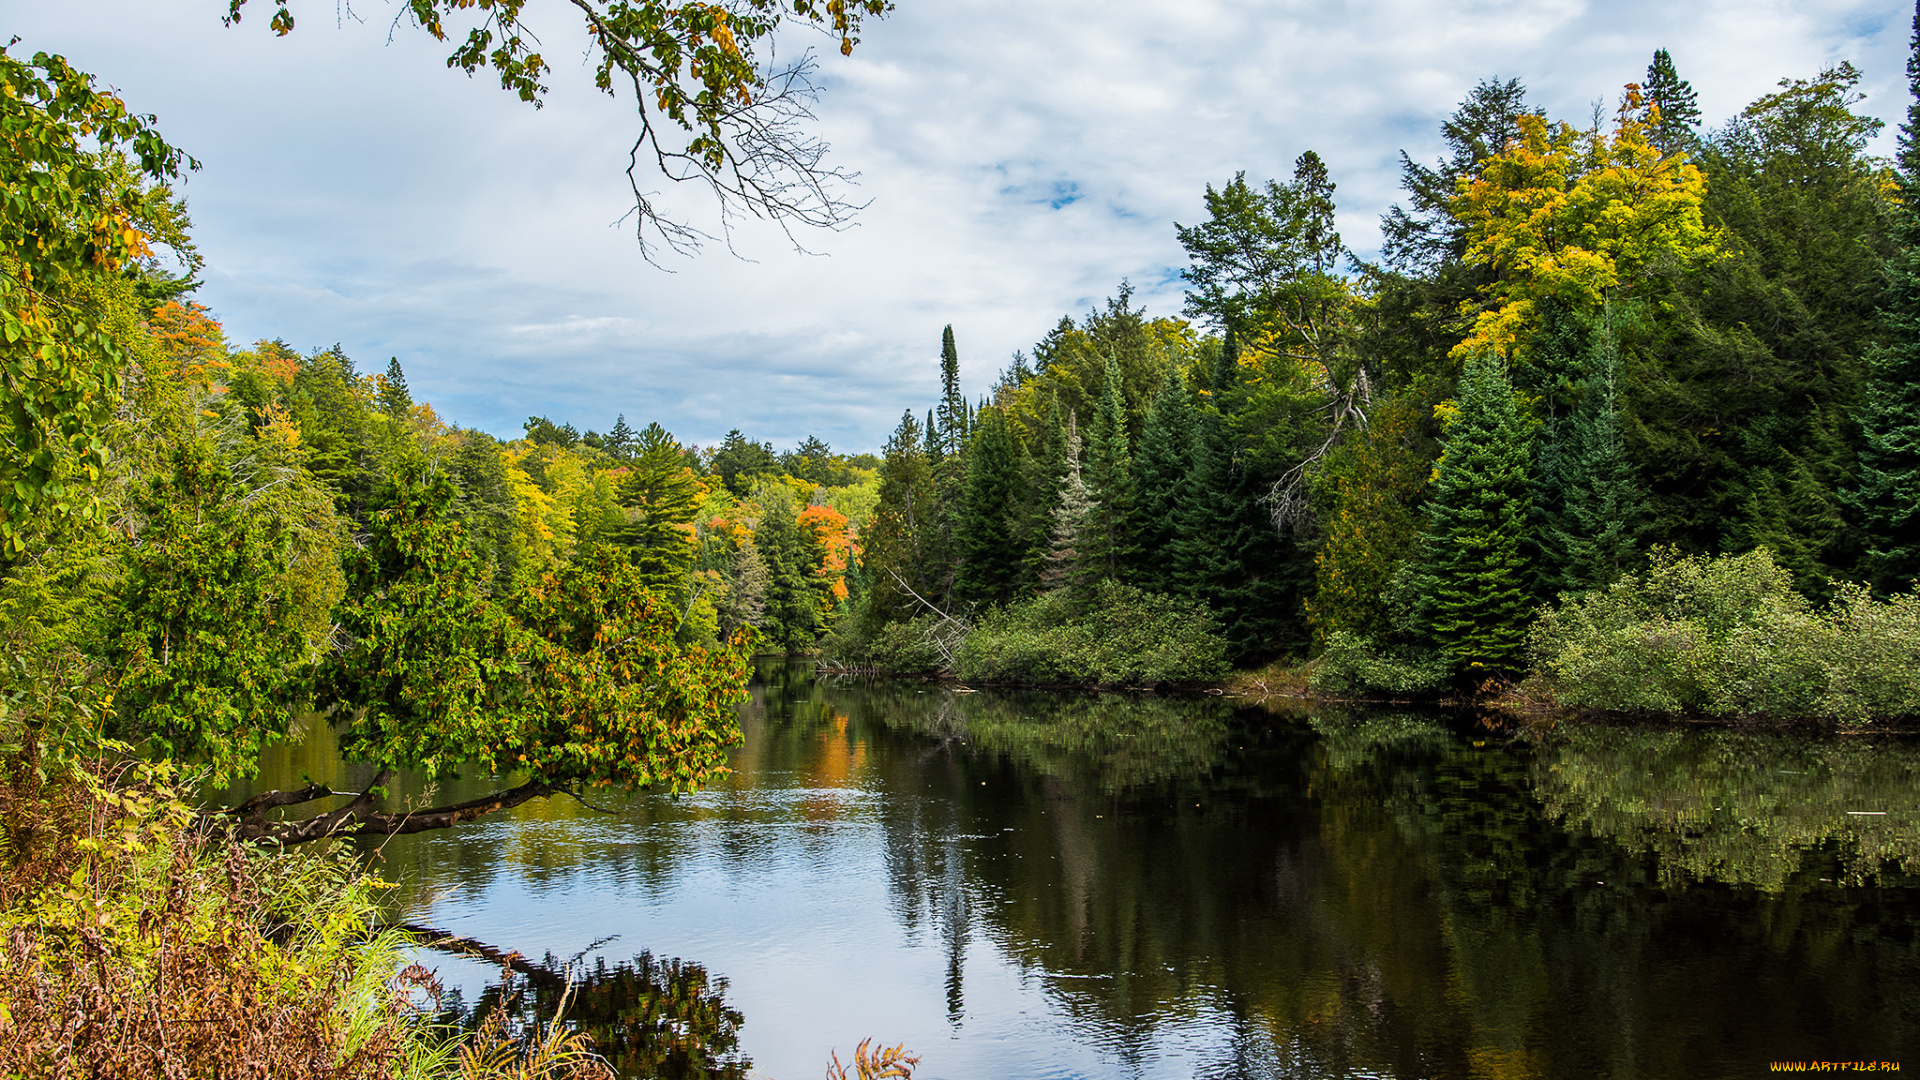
(1046, 885)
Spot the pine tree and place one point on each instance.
(1679, 106)
(1470, 575)
(1066, 565)
(1109, 480)
(659, 500)
(1886, 498)
(796, 592)
(951, 415)
(984, 537)
(1160, 471)
(1589, 509)
(1045, 470)
(393, 398)
(620, 441)
(899, 544)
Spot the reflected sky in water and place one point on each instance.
(1083, 886)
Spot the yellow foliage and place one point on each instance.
(1579, 215)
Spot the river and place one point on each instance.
(1054, 885)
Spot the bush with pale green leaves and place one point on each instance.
(1355, 666)
(1731, 636)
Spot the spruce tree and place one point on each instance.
(1886, 498)
(899, 544)
(1679, 106)
(1045, 470)
(1470, 574)
(984, 536)
(393, 398)
(620, 441)
(659, 500)
(951, 414)
(1589, 508)
(1160, 472)
(1066, 565)
(1109, 479)
(796, 593)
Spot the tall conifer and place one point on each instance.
(984, 536)
(1066, 564)
(1887, 496)
(1109, 478)
(951, 414)
(1679, 105)
(1589, 509)
(1470, 573)
(1160, 472)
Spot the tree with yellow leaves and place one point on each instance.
(1581, 217)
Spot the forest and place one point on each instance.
(1626, 417)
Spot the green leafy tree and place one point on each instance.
(205, 634)
(575, 681)
(1886, 497)
(1371, 524)
(1470, 574)
(75, 208)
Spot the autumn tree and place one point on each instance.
(83, 181)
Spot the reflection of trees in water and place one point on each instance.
(1737, 808)
(1105, 743)
(649, 1018)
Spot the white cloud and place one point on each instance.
(1020, 160)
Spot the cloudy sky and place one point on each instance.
(1019, 160)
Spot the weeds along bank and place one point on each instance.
(138, 947)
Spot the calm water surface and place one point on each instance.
(1038, 885)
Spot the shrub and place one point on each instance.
(1355, 665)
(1124, 637)
(1730, 636)
(911, 648)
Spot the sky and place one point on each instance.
(1017, 162)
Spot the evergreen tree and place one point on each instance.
(1109, 480)
(900, 544)
(746, 601)
(393, 397)
(1679, 106)
(1161, 469)
(1066, 566)
(1886, 497)
(739, 459)
(1588, 506)
(1426, 236)
(659, 500)
(1044, 470)
(1470, 575)
(620, 441)
(1227, 552)
(984, 534)
(951, 414)
(796, 592)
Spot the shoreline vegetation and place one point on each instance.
(1625, 419)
